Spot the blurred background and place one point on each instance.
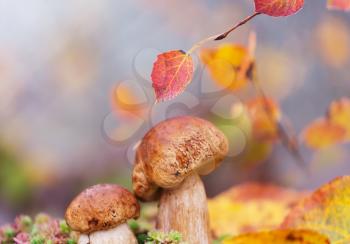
(75, 92)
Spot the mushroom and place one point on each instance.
(171, 156)
(100, 212)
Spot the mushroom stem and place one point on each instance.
(118, 235)
(184, 209)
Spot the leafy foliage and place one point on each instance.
(327, 211)
(322, 133)
(171, 73)
(158, 237)
(334, 128)
(226, 65)
(43, 229)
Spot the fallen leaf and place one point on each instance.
(339, 4)
(171, 73)
(278, 8)
(265, 115)
(322, 133)
(250, 207)
(280, 237)
(339, 114)
(228, 65)
(327, 211)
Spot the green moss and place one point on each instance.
(9, 233)
(64, 227)
(71, 241)
(44, 230)
(158, 237)
(37, 240)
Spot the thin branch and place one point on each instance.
(225, 34)
(220, 36)
(200, 43)
(290, 142)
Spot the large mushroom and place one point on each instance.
(100, 212)
(169, 160)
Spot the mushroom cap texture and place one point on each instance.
(101, 207)
(173, 149)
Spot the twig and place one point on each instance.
(225, 34)
(221, 36)
(289, 142)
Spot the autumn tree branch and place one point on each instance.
(244, 21)
(289, 141)
(223, 35)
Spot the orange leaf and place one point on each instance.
(327, 211)
(127, 99)
(171, 73)
(228, 65)
(250, 207)
(280, 237)
(339, 114)
(265, 115)
(339, 4)
(323, 133)
(278, 8)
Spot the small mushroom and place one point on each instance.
(100, 212)
(171, 156)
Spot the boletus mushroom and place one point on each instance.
(168, 162)
(100, 212)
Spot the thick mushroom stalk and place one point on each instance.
(118, 235)
(184, 209)
(100, 212)
(169, 160)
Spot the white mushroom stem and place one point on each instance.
(118, 235)
(184, 209)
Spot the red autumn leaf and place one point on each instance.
(278, 8)
(339, 4)
(171, 73)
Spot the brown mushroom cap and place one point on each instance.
(101, 207)
(174, 149)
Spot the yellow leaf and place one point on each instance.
(250, 207)
(339, 114)
(280, 237)
(265, 115)
(327, 211)
(128, 100)
(225, 65)
(322, 133)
